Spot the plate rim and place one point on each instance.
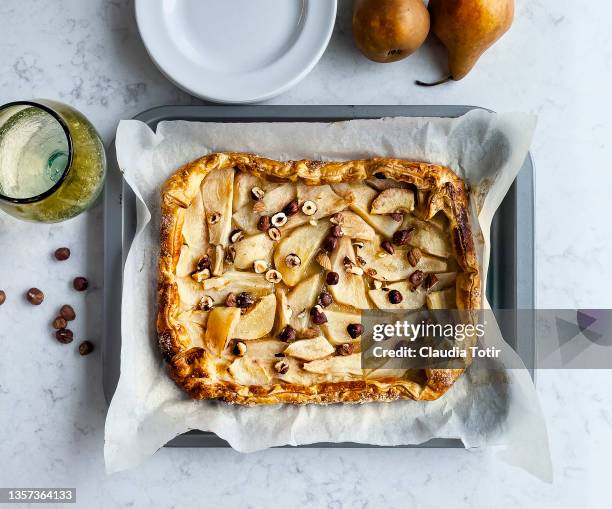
(143, 8)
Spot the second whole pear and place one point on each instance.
(468, 28)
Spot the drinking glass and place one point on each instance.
(52, 161)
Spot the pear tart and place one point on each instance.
(266, 266)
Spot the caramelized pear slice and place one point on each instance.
(393, 200)
(444, 299)
(296, 250)
(259, 320)
(256, 247)
(302, 298)
(217, 195)
(336, 366)
(249, 371)
(338, 320)
(412, 299)
(427, 237)
(351, 288)
(310, 349)
(362, 196)
(354, 227)
(264, 348)
(222, 322)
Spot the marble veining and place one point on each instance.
(556, 61)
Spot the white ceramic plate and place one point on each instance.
(236, 51)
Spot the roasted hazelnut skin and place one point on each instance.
(318, 317)
(325, 299)
(288, 334)
(402, 237)
(332, 278)
(354, 330)
(395, 297)
(388, 247)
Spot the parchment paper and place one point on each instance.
(148, 409)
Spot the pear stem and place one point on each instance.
(439, 82)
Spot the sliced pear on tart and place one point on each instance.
(258, 321)
(220, 328)
(393, 200)
(338, 320)
(361, 197)
(250, 249)
(351, 288)
(310, 349)
(410, 299)
(428, 238)
(296, 250)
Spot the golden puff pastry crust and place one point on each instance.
(199, 371)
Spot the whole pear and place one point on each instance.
(468, 28)
(389, 30)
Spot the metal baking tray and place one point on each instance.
(511, 272)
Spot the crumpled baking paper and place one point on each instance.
(148, 409)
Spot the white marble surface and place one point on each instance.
(556, 61)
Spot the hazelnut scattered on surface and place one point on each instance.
(291, 208)
(279, 219)
(67, 313)
(245, 300)
(62, 254)
(354, 330)
(345, 349)
(274, 233)
(240, 349)
(332, 278)
(287, 334)
(309, 208)
(273, 276)
(64, 336)
(80, 284)
(2, 297)
(230, 300)
(206, 303)
(416, 278)
(317, 315)
(387, 246)
(35, 296)
(59, 323)
(257, 193)
(395, 297)
(282, 366)
(325, 299)
(336, 231)
(293, 260)
(263, 224)
(330, 243)
(414, 256)
(86, 347)
(403, 237)
(203, 264)
(236, 236)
